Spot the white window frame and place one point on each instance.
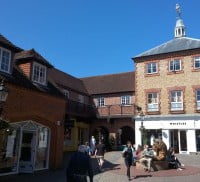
(153, 106)
(45, 74)
(198, 100)
(176, 102)
(66, 93)
(151, 66)
(174, 65)
(101, 102)
(125, 100)
(197, 58)
(81, 99)
(9, 61)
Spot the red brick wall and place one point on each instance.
(24, 104)
(26, 68)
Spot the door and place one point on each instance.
(174, 140)
(26, 161)
(183, 141)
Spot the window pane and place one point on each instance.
(177, 64)
(5, 59)
(171, 65)
(197, 62)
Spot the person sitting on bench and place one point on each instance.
(146, 158)
(174, 163)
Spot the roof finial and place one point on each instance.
(178, 10)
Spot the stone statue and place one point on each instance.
(178, 9)
(160, 149)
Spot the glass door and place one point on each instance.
(183, 141)
(174, 140)
(26, 161)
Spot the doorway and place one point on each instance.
(183, 141)
(27, 153)
(174, 140)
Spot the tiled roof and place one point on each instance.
(18, 78)
(31, 54)
(174, 45)
(9, 44)
(67, 81)
(113, 83)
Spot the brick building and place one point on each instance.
(114, 98)
(34, 139)
(168, 91)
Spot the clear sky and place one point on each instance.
(94, 37)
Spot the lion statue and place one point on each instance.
(161, 150)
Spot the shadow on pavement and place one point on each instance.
(107, 166)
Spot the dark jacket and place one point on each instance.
(79, 167)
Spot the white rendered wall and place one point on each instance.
(191, 141)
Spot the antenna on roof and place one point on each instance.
(178, 10)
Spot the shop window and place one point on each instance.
(9, 147)
(176, 100)
(198, 140)
(152, 102)
(42, 148)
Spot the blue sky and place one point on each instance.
(94, 37)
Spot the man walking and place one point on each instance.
(99, 154)
(79, 167)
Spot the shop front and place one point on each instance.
(75, 133)
(24, 148)
(181, 134)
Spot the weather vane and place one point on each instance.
(178, 10)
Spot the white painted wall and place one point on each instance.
(191, 141)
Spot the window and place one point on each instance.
(198, 99)
(5, 59)
(66, 93)
(39, 73)
(125, 100)
(101, 101)
(197, 62)
(152, 68)
(81, 99)
(152, 102)
(176, 100)
(175, 65)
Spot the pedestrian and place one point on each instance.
(173, 160)
(127, 153)
(147, 156)
(92, 145)
(99, 154)
(87, 149)
(79, 167)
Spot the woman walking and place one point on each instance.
(128, 158)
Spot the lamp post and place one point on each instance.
(3, 97)
(142, 128)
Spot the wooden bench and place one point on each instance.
(156, 165)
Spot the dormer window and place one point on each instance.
(39, 73)
(5, 59)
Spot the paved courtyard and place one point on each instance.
(115, 172)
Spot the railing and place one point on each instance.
(116, 110)
(79, 109)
